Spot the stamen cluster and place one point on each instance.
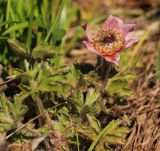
(108, 42)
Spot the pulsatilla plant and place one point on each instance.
(70, 104)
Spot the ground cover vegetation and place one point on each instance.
(74, 80)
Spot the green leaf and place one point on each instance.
(78, 100)
(54, 23)
(120, 131)
(91, 97)
(10, 112)
(103, 107)
(25, 75)
(85, 109)
(87, 132)
(6, 127)
(73, 77)
(6, 22)
(16, 27)
(18, 108)
(29, 34)
(17, 47)
(3, 104)
(94, 123)
(25, 88)
(58, 34)
(109, 135)
(114, 139)
(75, 72)
(41, 52)
(22, 95)
(118, 85)
(5, 119)
(102, 147)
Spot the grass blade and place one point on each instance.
(29, 34)
(7, 12)
(54, 23)
(16, 27)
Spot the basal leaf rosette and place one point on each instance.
(111, 39)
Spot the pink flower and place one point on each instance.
(112, 39)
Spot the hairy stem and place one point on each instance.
(107, 67)
(41, 110)
(103, 67)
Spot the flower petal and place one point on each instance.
(91, 48)
(130, 43)
(128, 28)
(113, 22)
(89, 35)
(114, 58)
(128, 36)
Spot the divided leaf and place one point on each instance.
(94, 123)
(10, 113)
(118, 85)
(91, 97)
(111, 134)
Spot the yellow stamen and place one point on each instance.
(108, 42)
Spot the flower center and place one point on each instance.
(108, 42)
(107, 39)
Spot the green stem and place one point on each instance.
(77, 139)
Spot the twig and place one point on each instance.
(1, 84)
